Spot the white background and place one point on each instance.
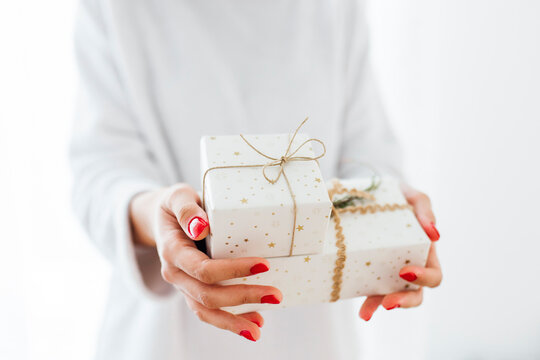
(461, 81)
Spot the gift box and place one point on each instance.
(370, 238)
(264, 195)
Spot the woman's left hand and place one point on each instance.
(429, 276)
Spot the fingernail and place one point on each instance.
(410, 276)
(196, 226)
(256, 322)
(433, 233)
(258, 268)
(365, 319)
(269, 299)
(393, 307)
(247, 335)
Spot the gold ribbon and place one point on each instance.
(275, 161)
(337, 189)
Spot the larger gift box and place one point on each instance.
(259, 205)
(368, 241)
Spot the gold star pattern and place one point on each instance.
(300, 227)
(236, 153)
(318, 180)
(271, 245)
(246, 240)
(407, 261)
(307, 259)
(244, 201)
(368, 263)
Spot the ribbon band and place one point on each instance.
(341, 255)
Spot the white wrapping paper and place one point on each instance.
(250, 216)
(378, 246)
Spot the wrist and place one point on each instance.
(142, 215)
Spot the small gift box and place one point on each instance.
(264, 195)
(372, 235)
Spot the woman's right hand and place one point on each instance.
(172, 220)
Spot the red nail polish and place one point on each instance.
(196, 226)
(247, 335)
(369, 318)
(410, 276)
(256, 322)
(269, 299)
(258, 268)
(433, 233)
(393, 307)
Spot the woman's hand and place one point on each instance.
(430, 275)
(171, 219)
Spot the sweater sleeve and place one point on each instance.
(368, 140)
(110, 159)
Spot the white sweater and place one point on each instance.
(155, 76)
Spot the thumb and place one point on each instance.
(184, 203)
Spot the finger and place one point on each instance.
(217, 296)
(422, 208)
(433, 259)
(404, 299)
(430, 276)
(197, 264)
(184, 203)
(369, 306)
(224, 320)
(254, 317)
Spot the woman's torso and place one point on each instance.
(193, 68)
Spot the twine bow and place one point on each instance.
(275, 161)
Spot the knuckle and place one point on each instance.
(167, 274)
(237, 272)
(187, 211)
(246, 297)
(167, 250)
(203, 274)
(206, 299)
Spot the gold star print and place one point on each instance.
(246, 240)
(307, 259)
(368, 263)
(244, 201)
(318, 180)
(300, 227)
(236, 153)
(271, 245)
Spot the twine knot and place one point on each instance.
(288, 156)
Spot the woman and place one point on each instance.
(155, 77)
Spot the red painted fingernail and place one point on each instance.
(269, 299)
(247, 335)
(258, 268)
(393, 307)
(256, 322)
(432, 232)
(196, 226)
(410, 276)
